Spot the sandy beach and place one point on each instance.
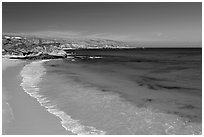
(21, 113)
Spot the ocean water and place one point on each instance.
(116, 92)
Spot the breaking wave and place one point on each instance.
(102, 110)
(111, 113)
(32, 75)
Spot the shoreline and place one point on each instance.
(29, 117)
(36, 71)
(31, 105)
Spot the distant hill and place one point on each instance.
(23, 45)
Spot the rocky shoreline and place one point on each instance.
(39, 56)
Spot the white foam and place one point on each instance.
(32, 75)
(95, 57)
(103, 110)
(113, 114)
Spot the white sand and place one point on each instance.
(7, 114)
(9, 62)
(27, 116)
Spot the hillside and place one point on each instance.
(21, 45)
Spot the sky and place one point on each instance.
(160, 22)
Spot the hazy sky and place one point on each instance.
(174, 22)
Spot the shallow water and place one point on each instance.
(124, 92)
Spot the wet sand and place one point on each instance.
(27, 117)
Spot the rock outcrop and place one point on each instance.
(39, 56)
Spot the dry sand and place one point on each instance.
(7, 114)
(22, 114)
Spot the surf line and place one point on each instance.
(31, 76)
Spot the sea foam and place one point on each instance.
(113, 114)
(101, 110)
(32, 75)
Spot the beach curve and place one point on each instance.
(28, 117)
(32, 74)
